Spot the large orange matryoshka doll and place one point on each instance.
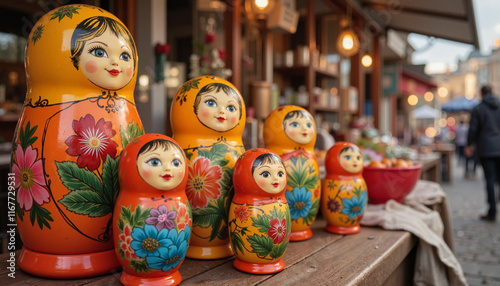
(290, 132)
(259, 217)
(208, 117)
(344, 194)
(152, 217)
(78, 115)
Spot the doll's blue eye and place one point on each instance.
(309, 125)
(125, 56)
(211, 103)
(281, 174)
(231, 108)
(265, 174)
(359, 157)
(176, 163)
(154, 162)
(99, 52)
(294, 124)
(347, 157)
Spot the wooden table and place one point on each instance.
(431, 167)
(371, 257)
(446, 151)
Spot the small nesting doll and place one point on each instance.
(344, 195)
(290, 132)
(208, 117)
(259, 217)
(79, 114)
(152, 217)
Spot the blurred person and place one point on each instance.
(461, 140)
(484, 135)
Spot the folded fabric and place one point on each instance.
(434, 257)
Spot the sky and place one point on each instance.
(444, 54)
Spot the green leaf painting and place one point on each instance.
(75, 178)
(129, 133)
(86, 202)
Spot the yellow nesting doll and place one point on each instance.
(208, 117)
(290, 132)
(344, 195)
(78, 115)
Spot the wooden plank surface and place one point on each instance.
(366, 258)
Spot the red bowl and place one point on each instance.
(394, 183)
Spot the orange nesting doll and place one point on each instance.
(152, 217)
(208, 117)
(259, 217)
(290, 132)
(344, 195)
(78, 115)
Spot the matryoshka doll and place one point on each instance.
(259, 217)
(344, 195)
(78, 115)
(152, 217)
(208, 117)
(290, 132)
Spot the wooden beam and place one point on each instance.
(377, 79)
(232, 31)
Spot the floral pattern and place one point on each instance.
(355, 206)
(162, 218)
(183, 219)
(92, 142)
(241, 212)
(170, 258)
(125, 239)
(203, 182)
(30, 182)
(299, 202)
(277, 231)
(333, 205)
(153, 248)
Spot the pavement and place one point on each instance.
(477, 242)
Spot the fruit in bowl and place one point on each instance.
(395, 182)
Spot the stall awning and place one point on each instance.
(447, 19)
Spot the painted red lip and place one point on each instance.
(167, 177)
(221, 119)
(355, 165)
(113, 72)
(276, 185)
(304, 134)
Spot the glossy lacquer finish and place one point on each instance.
(208, 117)
(344, 196)
(78, 115)
(290, 132)
(259, 217)
(152, 217)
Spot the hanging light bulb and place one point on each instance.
(366, 61)
(261, 8)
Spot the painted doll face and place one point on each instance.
(351, 160)
(299, 130)
(161, 169)
(107, 61)
(218, 111)
(270, 177)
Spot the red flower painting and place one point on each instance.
(277, 231)
(242, 213)
(125, 240)
(203, 182)
(92, 142)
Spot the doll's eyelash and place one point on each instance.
(95, 48)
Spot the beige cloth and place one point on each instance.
(436, 263)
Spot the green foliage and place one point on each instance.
(86, 202)
(128, 134)
(237, 242)
(134, 219)
(301, 174)
(110, 179)
(76, 178)
(309, 219)
(41, 215)
(26, 137)
(140, 266)
(261, 245)
(262, 223)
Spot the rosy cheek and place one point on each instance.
(262, 182)
(180, 173)
(129, 72)
(147, 174)
(91, 67)
(233, 120)
(205, 113)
